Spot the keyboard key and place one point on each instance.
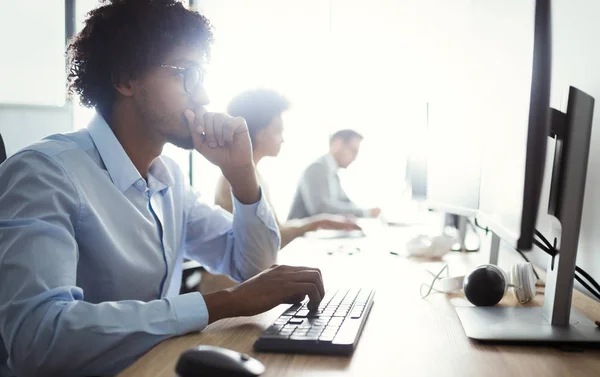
(329, 295)
(326, 337)
(274, 336)
(348, 332)
(273, 329)
(329, 331)
(302, 313)
(304, 337)
(351, 295)
(292, 309)
(363, 296)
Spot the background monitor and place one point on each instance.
(454, 153)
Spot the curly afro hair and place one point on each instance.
(122, 39)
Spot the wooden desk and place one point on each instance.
(404, 334)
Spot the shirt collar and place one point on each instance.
(159, 176)
(331, 163)
(118, 164)
(120, 168)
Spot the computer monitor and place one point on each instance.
(416, 176)
(514, 155)
(453, 160)
(556, 321)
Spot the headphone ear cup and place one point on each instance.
(523, 280)
(485, 286)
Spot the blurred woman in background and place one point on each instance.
(262, 109)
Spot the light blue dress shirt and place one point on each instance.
(91, 254)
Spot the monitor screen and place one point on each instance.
(514, 108)
(454, 156)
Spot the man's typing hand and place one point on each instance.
(276, 285)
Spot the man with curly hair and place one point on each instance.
(94, 224)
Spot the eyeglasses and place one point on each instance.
(192, 77)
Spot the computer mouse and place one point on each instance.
(210, 361)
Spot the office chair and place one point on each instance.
(2, 150)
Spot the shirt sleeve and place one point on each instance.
(46, 327)
(316, 194)
(223, 197)
(239, 245)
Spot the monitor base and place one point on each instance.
(524, 324)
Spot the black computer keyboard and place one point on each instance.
(334, 328)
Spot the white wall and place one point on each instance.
(32, 72)
(32, 63)
(24, 125)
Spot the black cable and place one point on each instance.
(480, 227)
(588, 277)
(544, 248)
(517, 250)
(583, 283)
(548, 248)
(544, 240)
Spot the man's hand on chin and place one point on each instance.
(224, 141)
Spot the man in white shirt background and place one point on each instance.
(319, 189)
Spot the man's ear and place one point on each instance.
(335, 145)
(123, 86)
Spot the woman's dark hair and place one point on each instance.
(122, 39)
(258, 107)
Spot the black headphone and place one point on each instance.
(487, 284)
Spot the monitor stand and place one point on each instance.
(555, 321)
(524, 323)
(465, 240)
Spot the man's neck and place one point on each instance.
(335, 161)
(257, 156)
(137, 139)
